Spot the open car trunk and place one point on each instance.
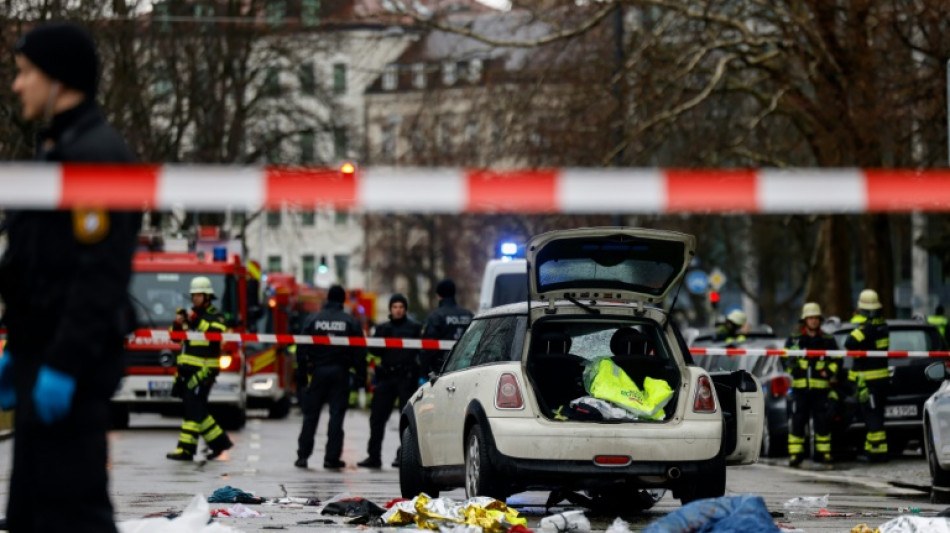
(602, 370)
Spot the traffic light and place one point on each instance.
(714, 299)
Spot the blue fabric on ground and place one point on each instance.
(228, 494)
(729, 514)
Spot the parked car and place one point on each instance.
(498, 418)
(936, 420)
(909, 389)
(775, 382)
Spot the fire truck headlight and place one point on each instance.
(266, 384)
(224, 361)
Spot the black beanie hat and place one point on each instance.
(398, 297)
(446, 288)
(65, 52)
(336, 294)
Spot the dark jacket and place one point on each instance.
(64, 277)
(398, 359)
(871, 333)
(812, 372)
(448, 322)
(332, 321)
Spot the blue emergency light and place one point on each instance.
(220, 254)
(509, 249)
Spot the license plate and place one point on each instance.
(160, 389)
(900, 411)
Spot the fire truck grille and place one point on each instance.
(159, 358)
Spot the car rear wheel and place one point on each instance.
(940, 477)
(480, 478)
(710, 482)
(412, 478)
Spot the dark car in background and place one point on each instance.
(768, 369)
(909, 389)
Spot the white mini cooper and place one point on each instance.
(527, 398)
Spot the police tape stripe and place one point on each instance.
(459, 190)
(432, 344)
(158, 335)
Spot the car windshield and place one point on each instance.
(510, 288)
(157, 295)
(641, 266)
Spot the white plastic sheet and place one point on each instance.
(917, 524)
(194, 519)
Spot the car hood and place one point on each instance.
(611, 263)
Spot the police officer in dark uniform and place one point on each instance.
(813, 381)
(64, 279)
(328, 375)
(198, 366)
(396, 376)
(869, 375)
(447, 322)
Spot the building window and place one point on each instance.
(272, 82)
(307, 78)
(308, 218)
(419, 76)
(390, 78)
(238, 219)
(275, 263)
(273, 219)
(310, 13)
(449, 73)
(342, 264)
(388, 146)
(475, 70)
(309, 268)
(308, 151)
(276, 12)
(340, 142)
(340, 218)
(339, 78)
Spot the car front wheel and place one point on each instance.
(480, 478)
(412, 479)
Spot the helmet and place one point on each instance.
(868, 300)
(201, 285)
(737, 317)
(811, 309)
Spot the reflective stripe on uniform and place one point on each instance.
(878, 373)
(857, 334)
(187, 438)
(796, 444)
(823, 443)
(882, 344)
(194, 360)
(876, 442)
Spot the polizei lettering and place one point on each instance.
(329, 325)
(458, 320)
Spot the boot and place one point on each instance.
(370, 462)
(215, 451)
(794, 460)
(180, 454)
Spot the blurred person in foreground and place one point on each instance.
(64, 279)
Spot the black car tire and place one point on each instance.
(280, 409)
(480, 478)
(412, 478)
(939, 477)
(710, 482)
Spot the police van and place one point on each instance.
(505, 281)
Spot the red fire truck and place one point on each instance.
(159, 287)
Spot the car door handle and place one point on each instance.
(450, 388)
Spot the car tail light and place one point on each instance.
(780, 386)
(508, 394)
(704, 402)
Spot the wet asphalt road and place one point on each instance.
(144, 482)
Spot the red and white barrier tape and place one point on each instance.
(456, 190)
(146, 336)
(155, 336)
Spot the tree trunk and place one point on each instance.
(878, 257)
(829, 282)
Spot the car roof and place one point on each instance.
(896, 323)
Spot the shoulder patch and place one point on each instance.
(90, 225)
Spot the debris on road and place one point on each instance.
(729, 514)
(194, 519)
(566, 522)
(238, 510)
(825, 513)
(353, 507)
(492, 515)
(806, 502)
(619, 525)
(229, 494)
(916, 524)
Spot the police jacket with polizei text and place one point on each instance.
(812, 372)
(448, 322)
(871, 333)
(332, 321)
(204, 320)
(398, 358)
(65, 274)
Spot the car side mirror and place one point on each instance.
(936, 371)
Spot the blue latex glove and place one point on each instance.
(7, 391)
(53, 394)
